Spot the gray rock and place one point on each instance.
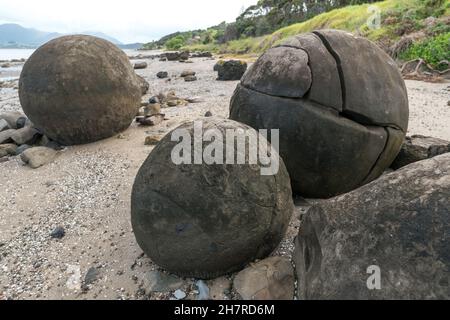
(179, 294)
(186, 73)
(230, 70)
(22, 122)
(162, 74)
(26, 135)
(208, 114)
(399, 223)
(4, 125)
(22, 148)
(37, 156)
(417, 148)
(190, 78)
(269, 279)
(7, 149)
(58, 233)
(5, 136)
(242, 216)
(91, 276)
(140, 65)
(203, 290)
(324, 110)
(79, 89)
(287, 68)
(153, 100)
(157, 281)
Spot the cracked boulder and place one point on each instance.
(79, 89)
(398, 224)
(341, 116)
(207, 220)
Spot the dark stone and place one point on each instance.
(205, 54)
(58, 233)
(330, 141)
(26, 135)
(204, 221)
(11, 118)
(79, 89)
(400, 223)
(417, 148)
(208, 114)
(230, 70)
(162, 74)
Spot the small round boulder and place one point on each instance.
(339, 102)
(79, 89)
(206, 220)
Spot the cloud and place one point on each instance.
(133, 21)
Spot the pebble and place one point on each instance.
(58, 233)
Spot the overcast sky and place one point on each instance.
(128, 21)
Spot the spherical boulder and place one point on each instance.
(339, 102)
(206, 220)
(79, 89)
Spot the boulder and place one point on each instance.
(204, 220)
(269, 279)
(204, 54)
(26, 135)
(386, 240)
(143, 84)
(37, 156)
(7, 149)
(140, 65)
(79, 89)
(4, 125)
(308, 89)
(230, 70)
(417, 148)
(162, 74)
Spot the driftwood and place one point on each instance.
(418, 69)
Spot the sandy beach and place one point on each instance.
(87, 188)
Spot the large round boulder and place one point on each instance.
(389, 239)
(79, 89)
(339, 102)
(206, 220)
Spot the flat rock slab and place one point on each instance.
(268, 279)
(5, 136)
(37, 156)
(417, 147)
(26, 135)
(399, 224)
(161, 282)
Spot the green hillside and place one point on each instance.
(399, 18)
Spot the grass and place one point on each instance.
(354, 18)
(432, 50)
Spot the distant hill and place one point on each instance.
(15, 36)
